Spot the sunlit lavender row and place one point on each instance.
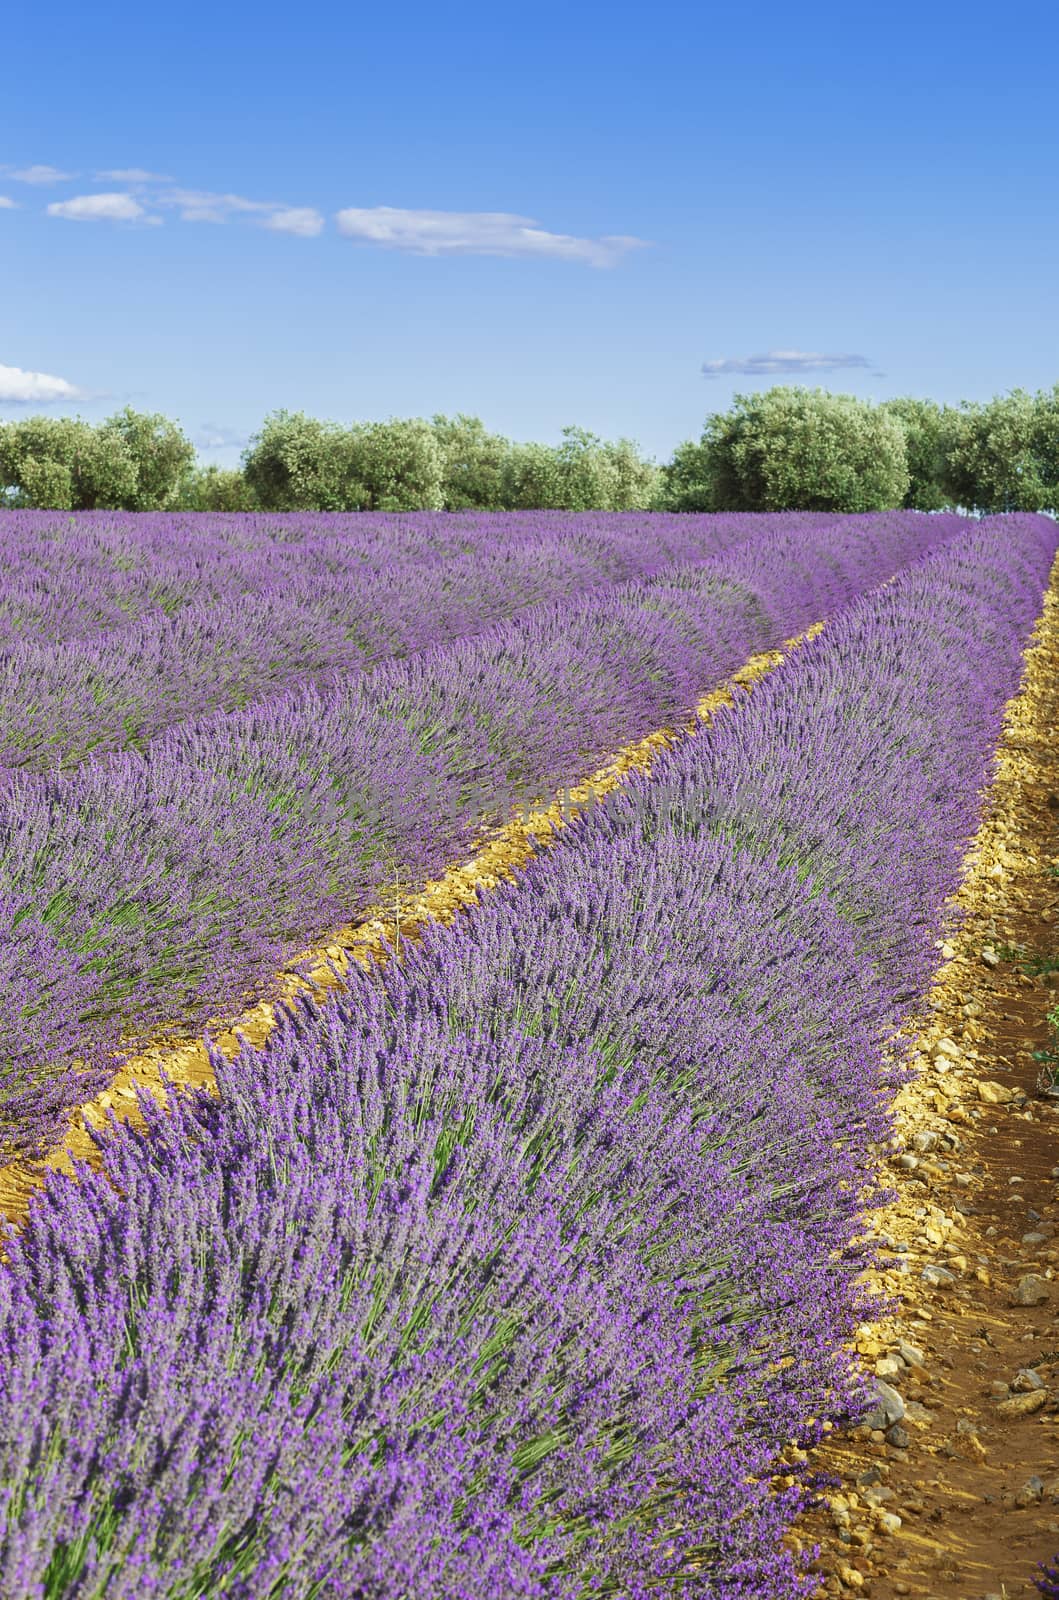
(297, 614)
(69, 575)
(164, 884)
(511, 1270)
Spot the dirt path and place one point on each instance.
(960, 1499)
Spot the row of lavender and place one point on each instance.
(70, 576)
(299, 613)
(508, 1273)
(163, 886)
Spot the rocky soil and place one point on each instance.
(950, 1490)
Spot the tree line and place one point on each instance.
(786, 448)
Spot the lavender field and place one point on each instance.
(512, 1268)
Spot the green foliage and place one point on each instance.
(580, 474)
(1046, 444)
(786, 448)
(685, 481)
(989, 456)
(397, 465)
(636, 484)
(925, 425)
(132, 462)
(472, 463)
(584, 471)
(216, 489)
(162, 454)
(104, 469)
(1004, 455)
(529, 478)
(795, 449)
(297, 463)
(46, 483)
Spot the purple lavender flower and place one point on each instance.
(183, 874)
(511, 1270)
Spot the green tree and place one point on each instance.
(39, 454)
(398, 465)
(587, 477)
(162, 453)
(924, 423)
(297, 463)
(529, 478)
(47, 483)
(795, 449)
(582, 473)
(1046, 438)
(686, 483)
(636, 483)
(997, 454)
(103, 469)
(215, 489)
(472, 463)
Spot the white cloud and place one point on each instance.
(100, 208)
(41, 174)
(26, 388)
(201, 205)
(6, 204)
(301, 220)
(131, 175)
(780, 362)
(421, 232)
(214, 436)
(479, 233)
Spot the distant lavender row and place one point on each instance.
(508, 1274)
(70, 575)
(159, 887)
(118, 688)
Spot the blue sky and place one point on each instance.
(542, 214)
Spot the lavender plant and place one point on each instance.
(115, 689)
(1048, 1581)
(182, 876)
(69, 575)
(510, 1270)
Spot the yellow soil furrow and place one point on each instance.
(500, 855)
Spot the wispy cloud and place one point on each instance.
(6, 203)
(100, 208)
(33, 388)
(191, 205)
(41, 174)
(131, 175)
(146, 197)
(214, 436)
(477, 233)
(780, 362)
(202, 205)
(303, 221)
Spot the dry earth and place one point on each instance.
(958, 1498)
